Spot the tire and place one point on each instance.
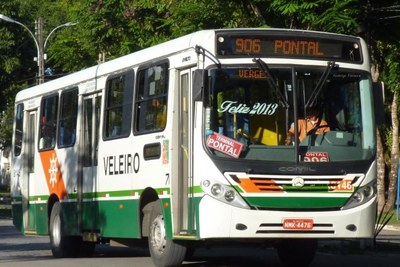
(297, 252)
(164, 252)
(61, 245)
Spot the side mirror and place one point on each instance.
(379, 99)
(200, 84)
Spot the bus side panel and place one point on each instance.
(41, 218)
(119, 218)
(67, 181)
(70, 217)
(90, 215)
(123, 175)
(118, 202)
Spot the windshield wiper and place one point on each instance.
(320, 84)
(271, 82)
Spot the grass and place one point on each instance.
(393, 220)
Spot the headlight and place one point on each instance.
(216, 190)
(230, 195)
(361, 196)
(224, 193)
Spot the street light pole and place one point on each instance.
(40, 52)
(38, 39)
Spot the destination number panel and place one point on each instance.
(293, 45)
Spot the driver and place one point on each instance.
(311, 124)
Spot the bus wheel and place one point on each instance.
(297, 252)
(61, 245)
(164, 252)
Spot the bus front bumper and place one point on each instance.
(219, 220)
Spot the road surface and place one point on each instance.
(17, 250)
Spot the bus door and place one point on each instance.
(28, 172)
(184, 183)
(87, 183)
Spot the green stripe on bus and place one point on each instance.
(297, 202)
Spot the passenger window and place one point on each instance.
(19, 122)
(118, 110)
(48, 122)
(151, 99)
(68, 116)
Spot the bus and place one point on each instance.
(187, 143)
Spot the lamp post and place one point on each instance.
(38, 39)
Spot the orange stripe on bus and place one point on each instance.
(251, 186)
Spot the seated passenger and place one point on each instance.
(161, 113)
(312, 124)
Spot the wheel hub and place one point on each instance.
(158, 238)
(56, 231)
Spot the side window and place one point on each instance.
(118, 109)
(48, 122)
(18, 130)
(151, 99)
(68, 115)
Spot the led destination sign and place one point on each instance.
(291, 46)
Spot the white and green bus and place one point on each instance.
(184, 144)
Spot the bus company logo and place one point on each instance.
(53, 170)
(298, 182)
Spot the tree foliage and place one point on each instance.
(107, 29)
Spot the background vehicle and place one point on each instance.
(183, 143)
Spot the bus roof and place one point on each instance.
(204, 38)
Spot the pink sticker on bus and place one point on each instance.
(224, 144)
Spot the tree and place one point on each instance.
(385, 53)
(112, 28)
(16, 68)
(391, 76)
(365, 18)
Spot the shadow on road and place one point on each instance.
(21, 250)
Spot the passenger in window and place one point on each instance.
(66, 134)
(160, 113)
(312, 124)
(47, 139)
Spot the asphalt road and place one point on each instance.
(17, 250)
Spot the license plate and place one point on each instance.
(298, 224)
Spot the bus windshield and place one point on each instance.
(290, 113)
